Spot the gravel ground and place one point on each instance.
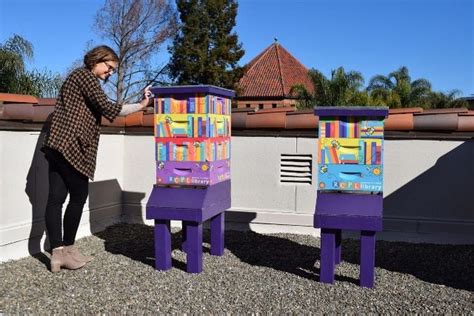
(258, 273)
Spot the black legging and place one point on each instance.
(64, 179)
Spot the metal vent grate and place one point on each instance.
(296, 169)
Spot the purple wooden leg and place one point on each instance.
(162, 245)
(194, 247)
(337, 254)
(328, 247)
(183, 236)
(367, 258)
(217, 235)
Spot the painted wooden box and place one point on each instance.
(350, 148)
(192, 135)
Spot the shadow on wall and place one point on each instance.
(105, 200)
(132, 209)
(108, 201)
(105, 204)
(37, 186)
(443, 193)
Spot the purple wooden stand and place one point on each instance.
(192, 206)
(337, 211)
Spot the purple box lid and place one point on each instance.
(349, 204)
(381, 111)
(170, 90)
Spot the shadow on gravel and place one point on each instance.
(135, 241)
(448, 265)
(277, 253)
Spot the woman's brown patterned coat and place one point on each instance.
(75, 125)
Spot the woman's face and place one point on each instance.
(104, 69)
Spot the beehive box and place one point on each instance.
(350, 148)
(192, 134)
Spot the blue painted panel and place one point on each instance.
(352, 178)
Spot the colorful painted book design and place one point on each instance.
(192, 104)
(196, 149)
(350, 127)
(188, 125)
(350, 151)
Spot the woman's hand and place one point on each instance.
(146, 96)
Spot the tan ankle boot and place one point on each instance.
(74, 251)
(61, 258)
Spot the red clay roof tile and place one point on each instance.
(18, 111)
(41, 113)
(239, 120)
(466, 123)
(17, 98)
(439, 122)
(134, 119)
(272, 74)
(238, 110)
(301, 120)
(443, 111)
(46, 101)
(266, 120)
(118, 122)
(399, 122)
(26, 112)
(406, 119)
(405, 110)
(148, 118)
(287, 109)
(468, 113)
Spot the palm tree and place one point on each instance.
(397, 90)
(13, 54)
(13, 75)
(344, 88)
(439, 100)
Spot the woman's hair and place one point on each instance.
(99, 54)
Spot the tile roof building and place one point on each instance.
(269, 77)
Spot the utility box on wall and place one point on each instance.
(350, 148)
(192, 135)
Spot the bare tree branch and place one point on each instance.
(137, 29)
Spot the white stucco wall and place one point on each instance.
(24, 189)
(427, 187)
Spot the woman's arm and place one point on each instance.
(130, 108)
(135, 107)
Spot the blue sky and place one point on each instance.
(433, 38)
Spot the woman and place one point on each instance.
(71, 149)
